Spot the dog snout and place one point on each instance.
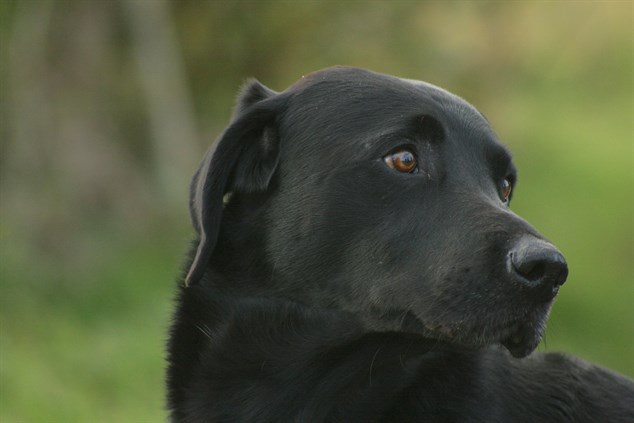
(538, 265)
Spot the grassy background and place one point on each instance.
(107, 106)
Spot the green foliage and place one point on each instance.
(94, 221)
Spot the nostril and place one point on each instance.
(560, 274)
(531, 270)
(540, 270)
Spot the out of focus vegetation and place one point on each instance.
(107, 106)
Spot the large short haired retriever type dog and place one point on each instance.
(357, 261)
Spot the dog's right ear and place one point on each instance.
(252, 92)
(243, 160)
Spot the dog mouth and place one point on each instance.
(520, 337)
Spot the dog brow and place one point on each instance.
(500, 159)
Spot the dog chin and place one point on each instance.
(520, 343)
(520, 338)
(523, 341)
(526, 335)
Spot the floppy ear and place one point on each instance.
(244, 160)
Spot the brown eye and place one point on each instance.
(505, 190)
(403, 160)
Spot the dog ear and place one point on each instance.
(251, 92)
(243, 160)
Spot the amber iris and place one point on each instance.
(505, 190)
(403, 161)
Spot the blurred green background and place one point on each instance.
(106, 107)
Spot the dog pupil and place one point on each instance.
(406, 160)
(506, 189)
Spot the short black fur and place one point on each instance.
(325, 285)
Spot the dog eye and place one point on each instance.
(402, 160)
(505, 190)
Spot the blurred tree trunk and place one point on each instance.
(28, 97)
(173, 130)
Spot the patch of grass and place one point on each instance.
(96, 354)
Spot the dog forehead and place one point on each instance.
(449, 101)
(362, 83)
(335, 103)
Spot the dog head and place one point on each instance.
(383, 197)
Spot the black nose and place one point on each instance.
(539, 265)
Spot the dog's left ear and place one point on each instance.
(244, 160)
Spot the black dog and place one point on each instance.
(357, 261)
